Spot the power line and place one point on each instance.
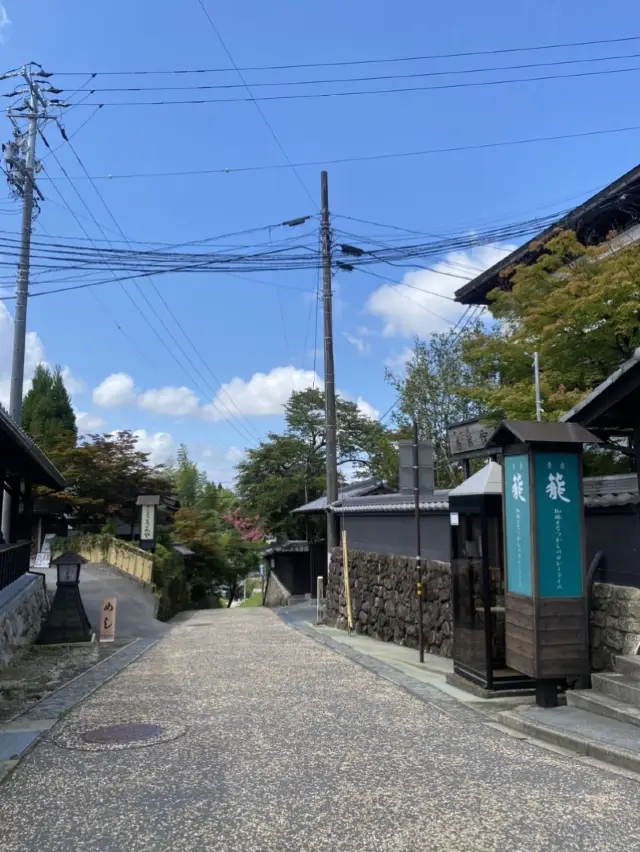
(254, 100)
(170, 312)
(352, 62)
(360, 92)
(369, 79)
(128, 294)
(364, 158)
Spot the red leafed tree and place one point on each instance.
(247, 528)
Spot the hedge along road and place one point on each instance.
(282, 744)
(135, 604)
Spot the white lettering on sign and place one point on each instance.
(517, 488)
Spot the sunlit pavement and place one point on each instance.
(270, 741)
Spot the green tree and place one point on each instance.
(285, 471)
(578, 308)
(47, 413)
(189, 482)
(106, 474)
(431, 391)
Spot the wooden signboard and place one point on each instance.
(108, 620)
(469, 439)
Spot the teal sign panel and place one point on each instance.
(559, 514)
(517, 524)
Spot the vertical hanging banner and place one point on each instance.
(147, 523)
(345, 572)
(517, 510)
(108, 620)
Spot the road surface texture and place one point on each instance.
(134, 616)
(274, 742)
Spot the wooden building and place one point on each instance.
(23, 466)
(615, 209)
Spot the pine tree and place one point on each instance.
(47, 413)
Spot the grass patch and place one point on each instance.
(253, 600)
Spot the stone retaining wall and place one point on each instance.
(384, 603)
(384, 606)
(23, 606)
(615, 623)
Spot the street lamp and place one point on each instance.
(68, 568)
(67, 619)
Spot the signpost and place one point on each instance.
(545, 601)
(108, 621)
(148, 517)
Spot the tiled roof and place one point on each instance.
(44, 471)
(353, 489)
(599, 492)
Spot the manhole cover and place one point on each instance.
(121, 734)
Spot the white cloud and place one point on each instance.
(159, 445)
(4, 22)
(421, 303)
(367, 409)
(179, 402)
(116, 391)
(262, 395)
(34, 355)
(398, 360)
(72, 383)
(87, 422)
(234, 455)
(361, 345)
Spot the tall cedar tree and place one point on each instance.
(47, 413)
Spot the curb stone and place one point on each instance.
(47, 712)
(608, 754)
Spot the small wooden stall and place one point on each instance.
(544, 545)
(477, 578)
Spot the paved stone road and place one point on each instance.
(289, 746)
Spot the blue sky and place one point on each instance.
(259, 338)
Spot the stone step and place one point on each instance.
(618, 686)
(629, 666)
(603, 705)
(607, 740)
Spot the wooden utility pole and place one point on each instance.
(329, 377)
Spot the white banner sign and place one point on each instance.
(43, 559)
(147, 523)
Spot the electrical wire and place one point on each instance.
(152, 308)
(352, 62)
(171, 313)
(369, 79)
(574, 75)
(364, 158)
(257, 105)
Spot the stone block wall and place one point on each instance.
(276, 594)
(384, 606)
(384, 602)
(615, 623)
(23, 606)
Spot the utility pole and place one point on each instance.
(416, 504)
(536, 379)
(329, 377)
(21, 168)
